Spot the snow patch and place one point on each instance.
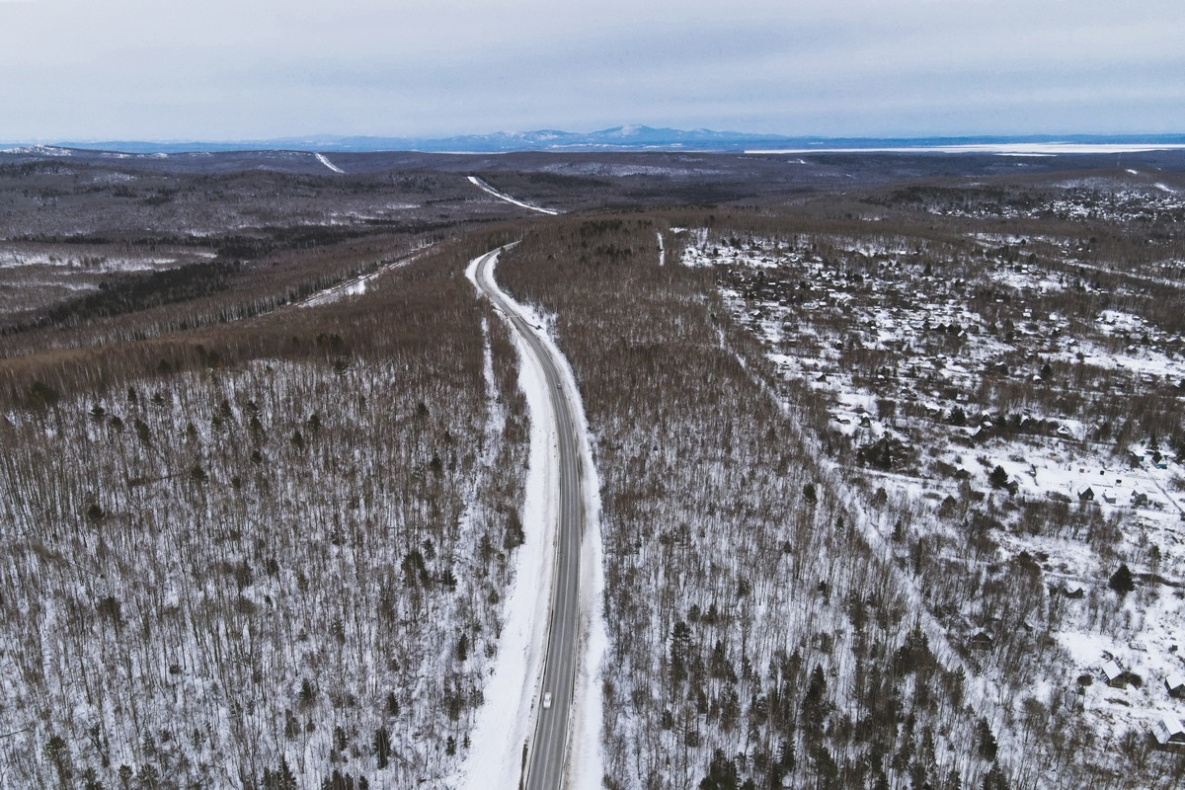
(41, 150)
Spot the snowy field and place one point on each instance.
(65, 260)
(1002, 149)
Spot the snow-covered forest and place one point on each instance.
(785, 611)
(754, 633)
(239, 575)
(890, 476)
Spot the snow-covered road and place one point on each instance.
(484, 187)
(552, 642)
(357, 286)
(323, 159)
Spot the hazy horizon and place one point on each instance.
(128, 69)
(740, 134)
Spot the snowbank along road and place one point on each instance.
(548, 749)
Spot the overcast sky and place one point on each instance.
(254, 69)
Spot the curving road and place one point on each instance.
(547, 753)
(489, 190)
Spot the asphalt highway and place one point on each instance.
(547, 751)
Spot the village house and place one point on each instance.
(1071, 589)
(1168, 732)
(1114, 675)
(980, 641)
(1175, 685)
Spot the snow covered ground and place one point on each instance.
(1003, 149)
(16, 256)
(292, 562)
(911, 365)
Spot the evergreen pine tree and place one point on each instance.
(1122, 580)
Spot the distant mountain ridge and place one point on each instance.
(620, 138)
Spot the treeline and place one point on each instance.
(139, 292)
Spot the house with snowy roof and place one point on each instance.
(1071, 589)
(1175, 685)
(1114, 675)
(1168, 732)
(981, 640)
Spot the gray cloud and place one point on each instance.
(249, 69)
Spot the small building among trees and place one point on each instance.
(1071, 589)
(1168, 732)
(1175, 685)
(1114, 675)
(981, 640)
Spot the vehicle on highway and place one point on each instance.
(546, 700)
